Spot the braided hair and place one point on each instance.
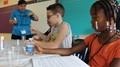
(110, 10)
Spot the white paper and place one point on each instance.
(65, 61)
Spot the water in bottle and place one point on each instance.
(30, 47)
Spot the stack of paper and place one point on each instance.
(65, 61)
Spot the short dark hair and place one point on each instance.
(56, 8)
(22, 2)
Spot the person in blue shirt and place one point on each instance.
(21, 21)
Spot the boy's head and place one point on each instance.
(103, 15)
(56, 8)
(22, 5)
(55, 12)
(22, 2)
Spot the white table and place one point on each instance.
(19, 60)
(46, 60)
(24, 61)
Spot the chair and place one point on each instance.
(81, 55)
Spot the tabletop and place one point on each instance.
(37, 60)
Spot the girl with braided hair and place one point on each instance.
(104, 46)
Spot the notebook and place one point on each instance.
(64, 61)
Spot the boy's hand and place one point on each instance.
(30, 14)
(33, 31)
(14, 21)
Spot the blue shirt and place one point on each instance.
(23, 22)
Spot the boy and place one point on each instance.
(21, 21)
(60, 35)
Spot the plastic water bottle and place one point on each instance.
(2, 42)
(12, 56)
(13, 53)
(75, 37)
(18, 48)
(30, 47)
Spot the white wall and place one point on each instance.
(40, 10)
(10, 3)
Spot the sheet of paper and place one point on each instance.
(65, 61)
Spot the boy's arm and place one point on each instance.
(40, 34)
(58, 40)
(44, 37)
(12, 21)
(34, 16)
